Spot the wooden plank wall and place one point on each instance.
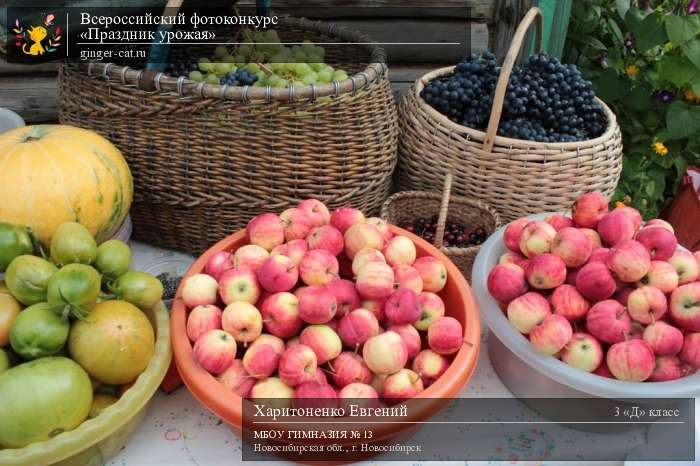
(32, 91)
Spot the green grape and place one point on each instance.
(325, 76)
(340, 75)
(212, 79)
(276, 66)
(273, 80)
(320, 51)
(279, 58)
(222, 68)
(228, 59)
(310, 78)
(205, 65)
(302, 68)
(261, 76)
(239, 60)
(315, 60)
(276, 48)
(245, 49)
(220, 51)
(282, 83)
(308, 46)
(299, 56)
(252, 67)
(317, 66)
(196, 75)
(297, 83)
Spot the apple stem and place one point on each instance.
(653, 319)
(331, 366)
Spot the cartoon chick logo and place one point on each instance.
(31, 40)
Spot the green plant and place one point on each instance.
(644, 61)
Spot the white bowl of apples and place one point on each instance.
(593, 304)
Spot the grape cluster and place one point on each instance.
(456, 234)
(301, 74)
(170, 284)
(300, 65)
(466, 95)
(546, 100)
(240, 77)
(181, 62)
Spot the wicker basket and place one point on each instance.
(206, 158)
(406, 206)
(517, 177)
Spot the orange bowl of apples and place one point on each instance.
(310, 304)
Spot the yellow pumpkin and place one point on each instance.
(52, 174)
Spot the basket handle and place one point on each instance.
(533, 15)
(442, 215)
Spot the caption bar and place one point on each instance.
(485, 429)
(127, 35)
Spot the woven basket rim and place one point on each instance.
(434, 195)
(503, 141)
(375, 71)
(451, 250)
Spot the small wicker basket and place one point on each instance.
(406, 206)
(518, 177)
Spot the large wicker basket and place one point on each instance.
(206, 158)
(517, 177)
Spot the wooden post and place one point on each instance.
(507, 16)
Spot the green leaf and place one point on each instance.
(680, 29)
(666, 161)
(633, 18)
(695, 85)
(682, 119)
(663, 135)
(658, 174)
(615, 29)
(650, 119)
(691, 50)
(595, 43)
(650, 33)
(609, 86)
(677, 70)
(639, 98)
(650, 188)
(681, 166)
(622, 6)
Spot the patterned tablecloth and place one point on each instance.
(178, 431)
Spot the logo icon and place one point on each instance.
(37, 39)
